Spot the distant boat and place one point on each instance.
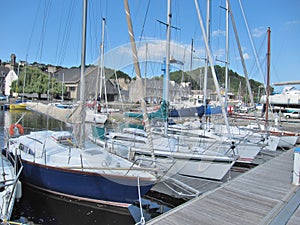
(289, 97)
(64, 105)
(187, 112)
(172, 153)
(18, 105)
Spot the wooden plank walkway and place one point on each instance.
(255, 197)
(295, 219)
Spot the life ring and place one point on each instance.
(16, 127)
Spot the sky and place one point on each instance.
(49, 32)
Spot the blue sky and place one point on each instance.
(49, 31)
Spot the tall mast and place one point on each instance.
(100, 65)
(211, 62)
(208, 9)
(82, 72)
(240, 53)
(138, 77)
(242, 59)
(102, 69)
(192, 50)
(268, 75)
(169, 16)
(62, 87)
(146, 61)
(227, 58)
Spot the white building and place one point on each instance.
(10, 77)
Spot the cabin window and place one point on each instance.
(21, 147)
(30, 151)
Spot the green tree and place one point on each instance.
(36, 81)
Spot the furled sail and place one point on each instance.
(71, 115)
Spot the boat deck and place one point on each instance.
(262, 195)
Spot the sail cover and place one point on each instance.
(71, 115)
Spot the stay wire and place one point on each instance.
(43, 31)
(34, 25)
(67, 32)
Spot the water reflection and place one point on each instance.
(31, 120)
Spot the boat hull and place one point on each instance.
(187, 112)
(88, 186)
(18, 106)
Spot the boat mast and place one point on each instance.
(102, 69)
(192, 50)
(138, 78)
(241, 53)
(166, 88)
(82, 72)
(226, 59)
(242, 60)
(24, 80)
(62, 87)
(268, 75)
(100, 66)
(208, 9)
(146, 61)
(211, 62)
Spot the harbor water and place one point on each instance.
(39, 207)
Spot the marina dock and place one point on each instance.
(263, 195)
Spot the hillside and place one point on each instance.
(196, 78)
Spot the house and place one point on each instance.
(71, 79)
(3, 72)
(153, 90)
(8, 75)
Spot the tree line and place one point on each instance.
(35, 79)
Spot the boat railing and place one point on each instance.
(11, 182)
(14, 183)
(139, 162)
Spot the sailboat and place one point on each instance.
(167, 151)
(10, 187)
(286, 139)
(64, 165)
(94, 114)
(288, 98)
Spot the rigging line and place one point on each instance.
(66, 34)
(177, 35)
(60, 46)
(143, 28)
(142, 31)
(59, 30)
(219, 30)
(43, 32)
(94, 18)
(144, 22)
(252, 43)
(34, 25)
(259, 51)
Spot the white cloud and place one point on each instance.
(258, 32)
(219, 32)
(293, 22)
(121, 56)
(246, 56)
